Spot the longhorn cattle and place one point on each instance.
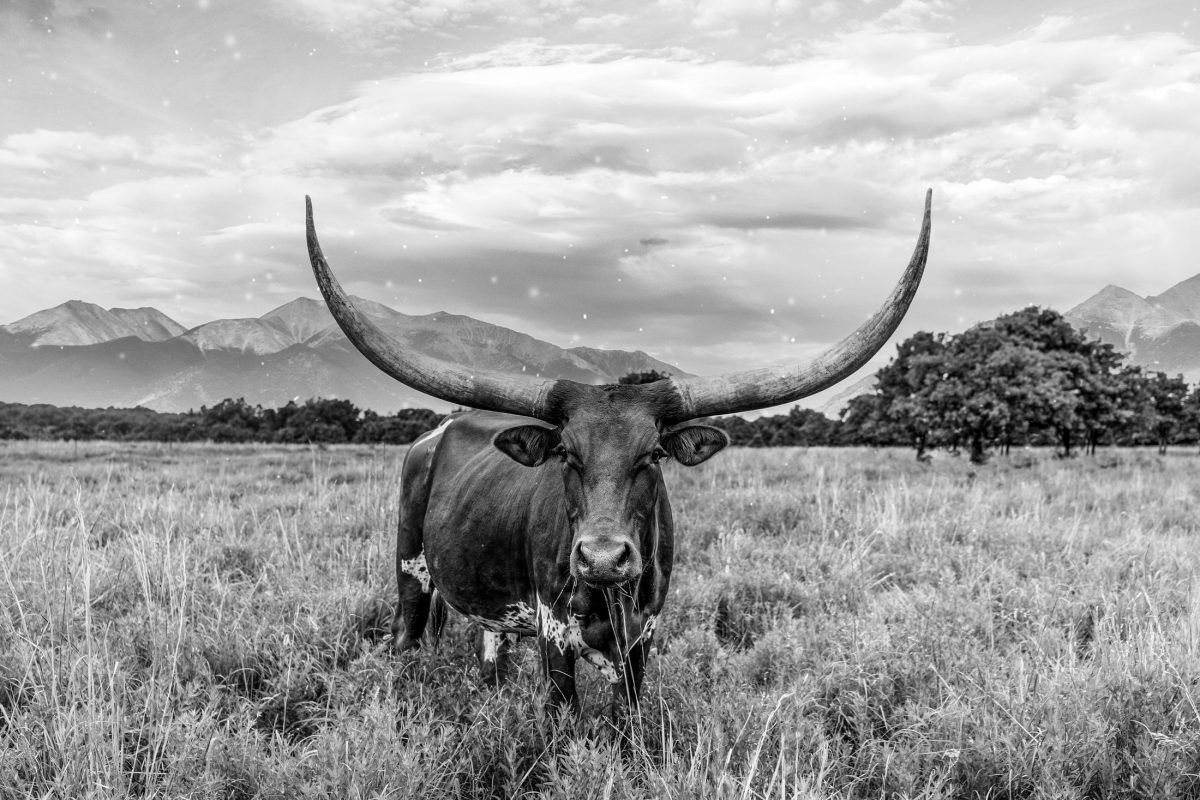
(544, 512)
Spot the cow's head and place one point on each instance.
(610, 438)
(608, 443)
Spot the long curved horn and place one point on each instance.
(772, 386)
(490, 391)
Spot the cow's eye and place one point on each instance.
(658, 455)
(559, 452)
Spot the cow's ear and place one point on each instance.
(694, 444)
(530, 445)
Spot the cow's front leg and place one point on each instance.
(558, 661)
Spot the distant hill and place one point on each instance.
(81, 354)
(79, 323)
(1160, 332)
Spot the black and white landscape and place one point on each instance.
(983, 582)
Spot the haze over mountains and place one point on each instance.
(1159, 333)
(81, 354)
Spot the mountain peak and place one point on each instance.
(75, 308)
(299, 320)
(77, 322)
(1112, 290)
(1182, 299)
(306, 305)
(79, 305)
(1114, 306)
(148, 323)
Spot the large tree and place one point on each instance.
(1003, 382)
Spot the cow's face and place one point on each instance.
(609, 455)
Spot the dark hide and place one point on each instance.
(563, 533)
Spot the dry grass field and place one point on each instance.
(208, 621)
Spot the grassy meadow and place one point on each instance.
(209, 621)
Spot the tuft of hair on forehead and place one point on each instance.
(661, 399)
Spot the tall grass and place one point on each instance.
(209, 621)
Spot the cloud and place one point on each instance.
(375, 20)
(914, 14)
(1021, 139)
(714, 210)
(732, 28)
(42, 149)
(730, 16)
(602, 23)
(48, 16)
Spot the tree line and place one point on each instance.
(326, 421)
(1026, 378)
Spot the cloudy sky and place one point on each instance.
(721, 183)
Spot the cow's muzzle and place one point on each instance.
(605, 561)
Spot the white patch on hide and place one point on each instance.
(561, 634)
(517, 618)
(608, 670)
(491, 647)
(569, 634)
(417, 568)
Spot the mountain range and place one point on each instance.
(1159, 333)
(81, 354)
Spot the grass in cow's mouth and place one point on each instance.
(209, 621)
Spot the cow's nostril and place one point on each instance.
(581, 556)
